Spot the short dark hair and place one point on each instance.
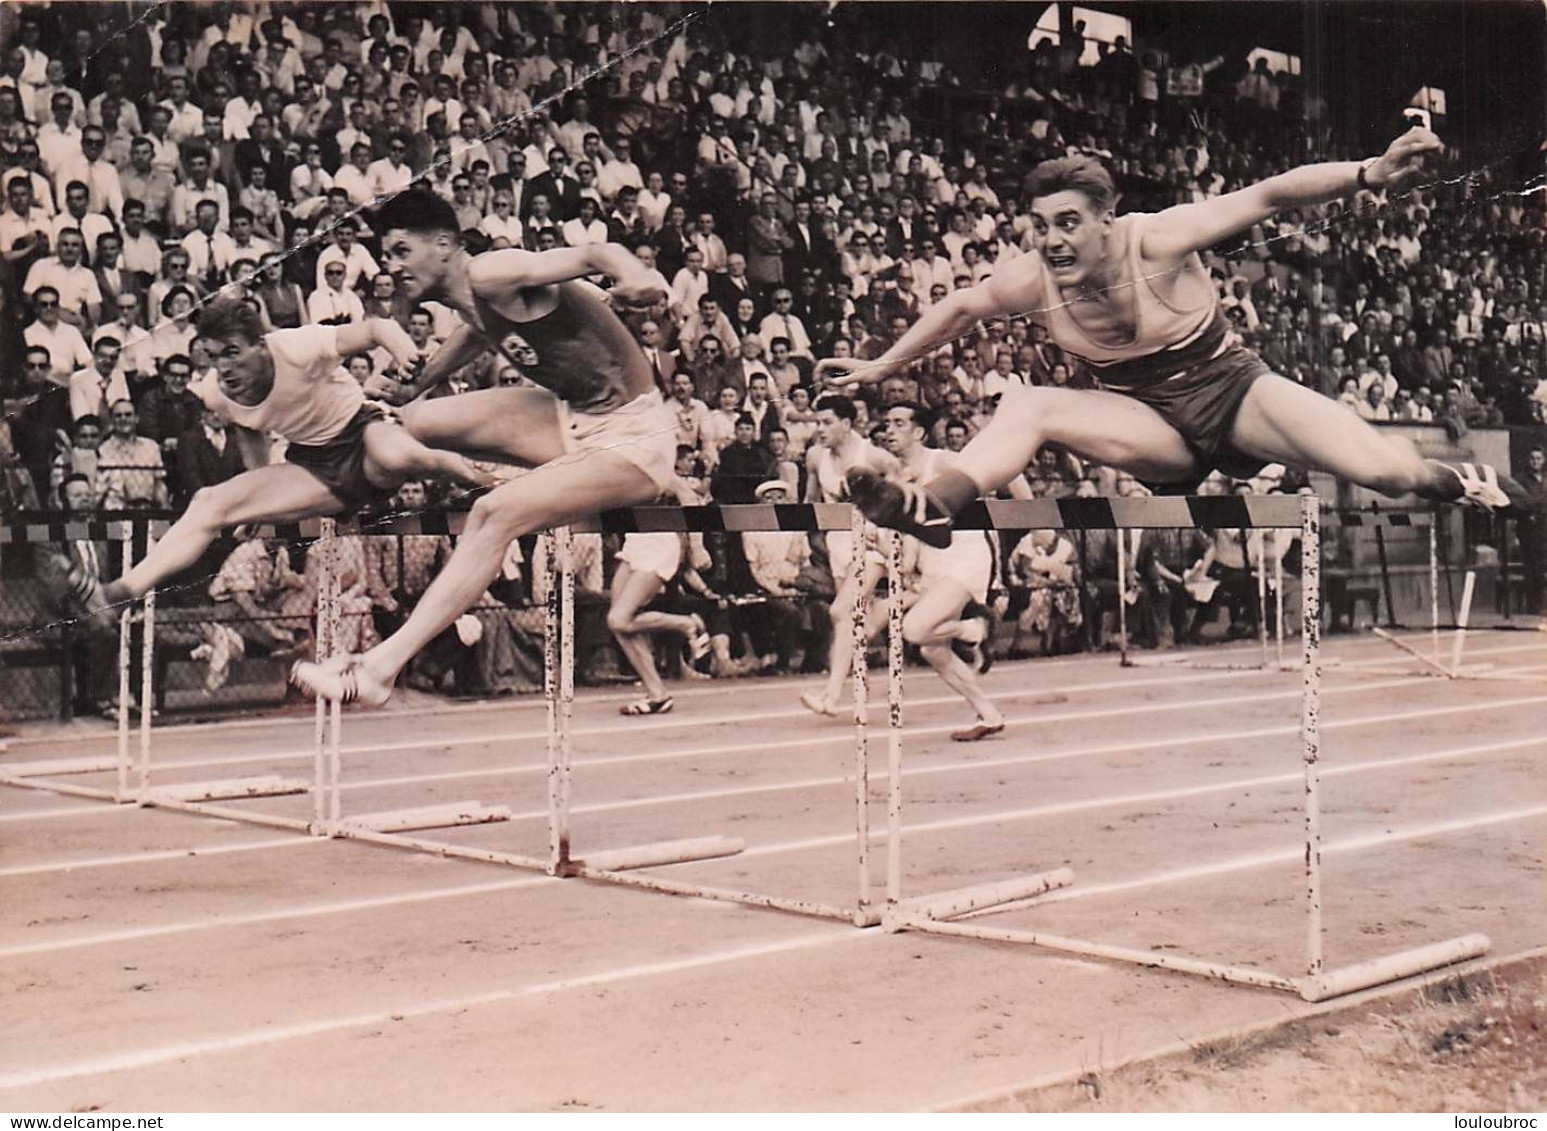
(842, 406)
(224, 317)
(417, 211)
(915, 410)
(1079, 173)
(746, 418)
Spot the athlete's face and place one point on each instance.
(417, 260)
(902, 433)
(1070, 234)
(831, 428)
(246, 371)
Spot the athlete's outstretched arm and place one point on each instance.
(1186, 228)
(1015, 288)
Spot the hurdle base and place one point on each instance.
(228, 790)
(64, 789)
(61, 766)
(655, 855)
(1393, 967)
(445, 816)
(1215, 971)
(226, 813)
(959, 901)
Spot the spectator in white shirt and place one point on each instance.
(66, 347)
(783, 323)
(186, 121)
(24, 227)
(210, 251)
(654, 202)
(59, 140)
(346, 249)
(197, 186)
(105, 190)
(690, 284)
(619, 171)
(96, 386)
(503, 226)
(331, 304)
(391, 174)
(585, 228)
(80, 299)
(354, 178)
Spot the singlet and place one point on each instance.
(1166, 339)
(585, 355)
(312, 398)
(830, 472)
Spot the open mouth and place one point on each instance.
(1060, 262)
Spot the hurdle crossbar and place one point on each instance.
(933, 913)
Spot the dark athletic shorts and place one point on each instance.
(340, 463)
(1201, 403)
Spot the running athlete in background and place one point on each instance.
(1180, 395)
(343, 453)
(597, 432)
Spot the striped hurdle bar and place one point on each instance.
(941, 913)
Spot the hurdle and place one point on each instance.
(941, 913)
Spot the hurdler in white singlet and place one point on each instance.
(312, 398)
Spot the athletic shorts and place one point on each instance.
(968, 561)
(840, 554)
(339, 464)
(1201, 403)
(644, 432)
(660, 554)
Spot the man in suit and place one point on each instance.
(809, 249)
(560, 187)
(663, 363)
(733, 286)
(207, 454)
(905, 227)
(261, 148)
(112, 279)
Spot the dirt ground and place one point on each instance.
(155, 961)
(1469, 1044)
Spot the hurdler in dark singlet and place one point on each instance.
(585, 355)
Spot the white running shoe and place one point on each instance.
(1480, 486)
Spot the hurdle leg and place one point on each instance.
(147, 679)
(551, 619)
(1458, 641)
(124, 617)
(1124, 659)
(1310, 723)
(322, 642)
(335, 708)
(1434, 582)
(863, 913)
(1278, 599)
(1262, 595)
(894, 722)
(566, 688)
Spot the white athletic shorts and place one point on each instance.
(644, 432)
(968, 560)
(840, 554)
(660, 554)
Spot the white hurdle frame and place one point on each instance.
(936, 912)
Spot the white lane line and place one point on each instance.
(846, 737)
(1018, 760)
(345, 906)
(158, 854)
(268, 1034)
(251, 1038)
(1360, 843)
(306, 911)
(786, 685)
(1064, 808)
(687, 720)
(71, 811)
(1399, 716)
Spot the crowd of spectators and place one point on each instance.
(801, 193)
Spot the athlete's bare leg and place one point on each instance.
(932, 623)
(1106, 427)
(632, 590)
(281, 492)
(510, 425)
(1288, 423)
(393, 455)
(552, 495)
(840, 652)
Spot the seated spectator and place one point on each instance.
(261, 596)
(167, 409)
(332, 304)
(743, 464)
(71, 574)
(65, 344)
(1045, 594)
(207, 454)
(130, 472)
(94, 388)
